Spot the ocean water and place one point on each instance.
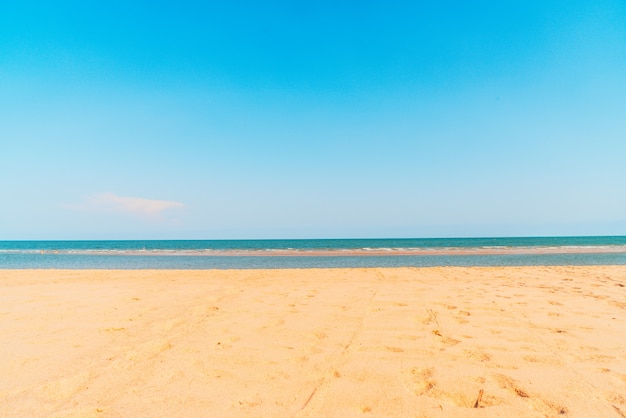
(312, 253)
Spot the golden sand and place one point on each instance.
(434, 342)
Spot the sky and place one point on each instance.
(276, 119)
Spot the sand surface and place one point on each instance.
(535, 341)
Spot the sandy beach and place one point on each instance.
(409, 342)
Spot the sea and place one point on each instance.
(313, 253)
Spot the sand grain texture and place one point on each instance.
(427, 342)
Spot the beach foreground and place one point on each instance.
(449, 342)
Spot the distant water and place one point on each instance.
(226, 254)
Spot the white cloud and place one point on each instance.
(112, 203)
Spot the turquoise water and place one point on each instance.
(224, 254)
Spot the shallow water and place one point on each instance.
(206, 254)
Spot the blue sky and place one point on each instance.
(157, 120)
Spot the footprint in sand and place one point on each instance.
(113, 329)
(551, 360)
(460, 317)
(320, 335)
(64, 388)
(446, 340)
(469, 395)
(618, 304)
(477, 355)
(408, 337)
(542, 405)
(506, 382)
(616, 398)
(419, 381)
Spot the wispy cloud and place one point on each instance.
(112, 203)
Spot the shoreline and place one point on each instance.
(362, 252)
(535, 341)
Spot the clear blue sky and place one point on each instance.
(276, 119)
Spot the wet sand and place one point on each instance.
(434, 342)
